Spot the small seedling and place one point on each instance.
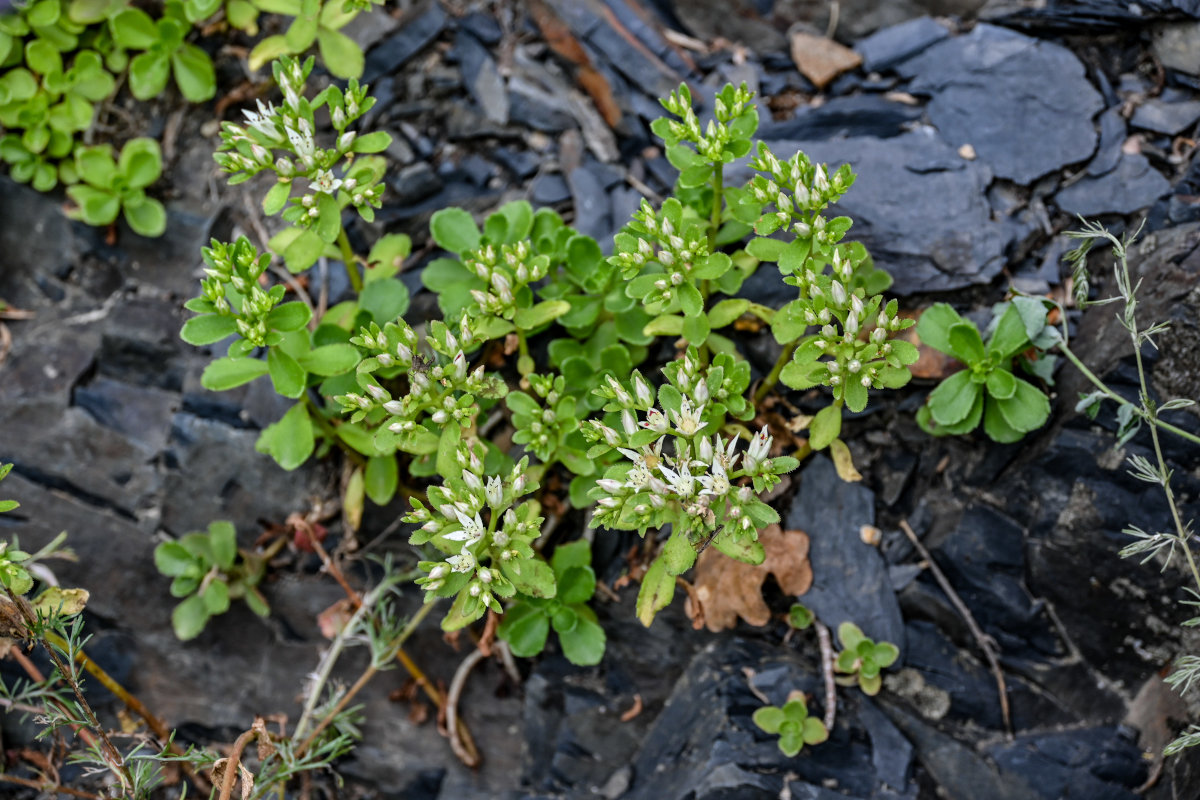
(861, 659)
(527, 622)
(792, 723)
(164, 53)
(987, 389)
(110, 186)
(209, 570)
(800, 617)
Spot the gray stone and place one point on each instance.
(481, 77)
(534, 107)
(1163, 116)
(1024, 105)
(850, 579)
(1177, 45)
(1132, 186)
(593, 216)
(1112, 139)
(141, 413)
(420, 26)
(918, 207)
(886, 48)
(841, 117)
(549, 189)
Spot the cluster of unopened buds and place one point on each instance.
(717, 134)
(239, 265)
(658, 242)
(443, 390)
(505, 270)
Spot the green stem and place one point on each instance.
(772, 378)
(315, 414)
(348, 260)
(718, 187)
(524, 361)
(1150, 419)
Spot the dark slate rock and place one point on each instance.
(1162, 116)
(593, 215)
(984, 560)
(958, 770)
(549, 189)
(142, 413)
(886, 48)
(704, 745)
(1132, 186)
(484, 27)
(850, 580)
(842, 117)
(533, 107)
(424, 23)
(1096, 763)
(477, 169)
(414, 183)
(1077, 16)
(1023, 104)
(483, 80)
(521, 163)
(215, 473)
(891, 753)
(918, 207)
(1112, 139)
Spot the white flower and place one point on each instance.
(655, 421)
(760, 445)
(637, 478)
(463, 562)
(687, 420)
(472, 529)
(716, 483)
(648, 459)
(263, 120)
(682, 482)
(494, 492)
(325, 182)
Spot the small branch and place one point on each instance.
(986, 643)
(232, 763)
(362, 681)
(826, 643)
(452, 697)
(507, 660)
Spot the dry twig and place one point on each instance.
(452, 697)
(826, 644)
(986, 643)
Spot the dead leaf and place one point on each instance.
(820, 59)
(333, 620)
(729, 589)
(843, 462)
(245, 777)
(634, 710)
(932, 364)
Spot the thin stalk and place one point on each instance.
(524, 359)
(314, 413)
(48, 787)
(356, 281)
(231, 763)
(772, 378)
(1150, 419)
(714, 222)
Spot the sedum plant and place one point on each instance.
(530, 374)
(987, 389)
(209, 571)
(527, 623)
(108, 187)
(792, 724)
(165, 53)
(861, 659)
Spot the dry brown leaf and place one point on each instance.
(932, 364)
(820, 59)
(728, 589)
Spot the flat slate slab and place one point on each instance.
(1023, 104)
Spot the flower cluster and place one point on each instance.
(735, 119)
(249, 149)
(506, 271)
(704, 487)
(665, 257)
(798, 189)
(838, 355)
(487, 537)
(238, 267)
(439, 390)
